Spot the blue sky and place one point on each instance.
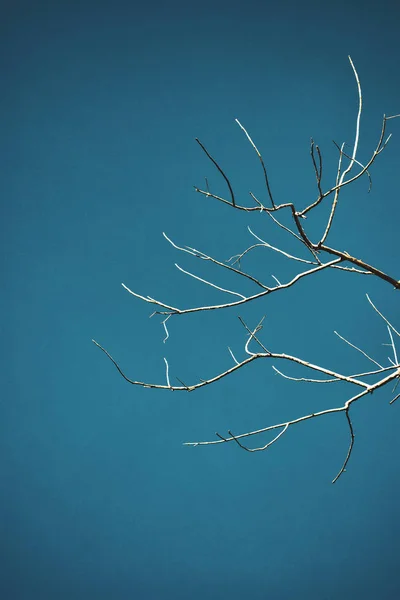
(101, 102)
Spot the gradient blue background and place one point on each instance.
(100, 103)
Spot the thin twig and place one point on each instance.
(381, 315)
(267, 245)
(261, 160)
(217, 287)
(219, 169)
(317, 168)
(199, 254)
(306, 379)
(233, 356)
(261, 448)
(358, 349)
(167, 372)
(283, 286)
(343, 469)
(393, 346)
(353, 156)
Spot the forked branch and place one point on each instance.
(318, 256)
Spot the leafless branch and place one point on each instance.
(381, 315)
(346, 460)
(219, 169)
(176, 311)
(320, 257)
(261, 161)
(267, 245)
(358, 349)
(317, 168)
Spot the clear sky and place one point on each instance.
(100, 105)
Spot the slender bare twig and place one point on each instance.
(164, 322)
(306, 379)
(267, 245)
(346, 460)
(233, 356)
(393, 345)
(177, 311)
(317, 168)
(340, 148)
(167, 372)
(253, 336)
(219, 169)
(217, 287)
(381, 315)
(394, 399)
(276, 279)
(253, 356)
(335, 379)
(203, 256)
(358, 349)
(261, 161)
(261, 448)
(353, 156)
(381, 145)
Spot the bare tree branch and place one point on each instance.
(358, 349)
(219, 169)
(319, 257)
(261, 160)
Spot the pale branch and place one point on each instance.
(352, 270)
(394, 399)
(306, 379)
(276, 279)
(340, 148)
(340, 183)
(150, 300)
(267, 245)
(393, 345)
(358, 349)
(383, 317)
(368, 390)
(344, 177)
(345, 408)
(253, 336)
(217, 287)
(236, 258)
(360, 263)
(184, 387)
(164, 323)
(260, 204)
(233, 356)
(171, 310)
(316, 249)
(199, 254)
(261, 160)
(253, 356)
(321, 246)
(298, 237)
(335, 379)
(167, 373)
